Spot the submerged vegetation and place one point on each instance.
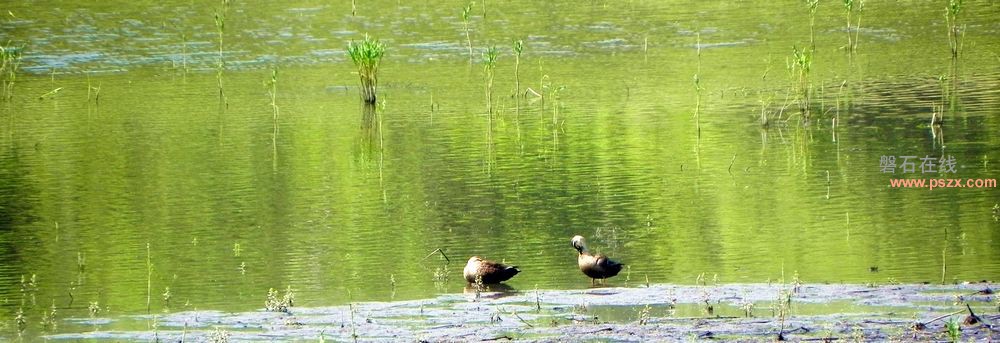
(367, 56)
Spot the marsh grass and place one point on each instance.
(149, 277)
(518, 48)
(367, 56)
(955, 33)
(697, 87)
(10, 63)
(490, 57)
(799, 67)
(466, 13)
(853, 6)
(272, 92)
(93, 92)
(813, 6)
(220, 28)
(273, 303)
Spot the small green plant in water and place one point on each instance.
(813, 6)
(954, 329)
(954, 32)
(94, 309)
(274, 304)
(465, 19)
(21, 321)
(518, 49)
(489, 68)
(799, 67)
(367, 55)
(10, 62)
(644, 315)
(220, 28)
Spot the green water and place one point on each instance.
(342, 200)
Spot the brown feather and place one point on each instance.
(488, 271)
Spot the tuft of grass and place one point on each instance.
(274, 304)
(367, 56)
(10, 62)
(954, 329)
(799, 66)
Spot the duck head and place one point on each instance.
(579, 244)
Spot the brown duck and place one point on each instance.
(488, 271)
(595, 266)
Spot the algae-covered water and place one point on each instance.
(129, 184)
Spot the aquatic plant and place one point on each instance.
(167, 296)
(799, 67)
(273, 304)
(518, 49)
(697, 88)
(848, 8)
(466, 11)
(851, 6)
(220, 28)
(149, 277)
(92, 91)
(367, 55)
(10, 62)
(644, 315)
(94, 308)
(21, 321)
(489, 68)
(813, 6)
(272, 92)
(954, 329)
(954, 32)
(49, 321)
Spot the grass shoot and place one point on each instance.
(10, 62)
(489, 68)
(367, 56)
(954, 31)
(799, 67)
(518, 49)
(465, 19)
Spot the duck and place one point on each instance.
(488, 272)
(594, 266)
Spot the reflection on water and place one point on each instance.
(344, 202)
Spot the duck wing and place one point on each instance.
(608, 267)
(494, 272)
